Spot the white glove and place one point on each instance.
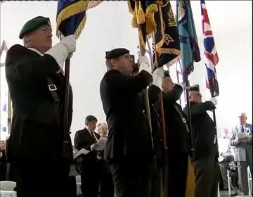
(70, 43)
(144, 63)
(158, 76)
(183, 85)
(62, 50)
(213, 100)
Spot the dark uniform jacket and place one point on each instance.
(203, 129)
(36, 131)
(83, 139)
(129, 134)
(177, 134)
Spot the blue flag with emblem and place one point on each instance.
(188, 38)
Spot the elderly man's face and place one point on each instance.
(195, 96)
(243, 118)
(40, 39)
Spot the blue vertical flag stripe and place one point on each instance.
(188, 37)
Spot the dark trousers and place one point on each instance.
(177, 168)
(206, 172)
(90, 183)
(35, 179)
(106, 188)
(131, 177)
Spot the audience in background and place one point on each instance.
(106, 188)
(241, 142)
(88, 164)
(3, 163)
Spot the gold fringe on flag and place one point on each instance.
(72, 10)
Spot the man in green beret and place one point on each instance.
(36, 83)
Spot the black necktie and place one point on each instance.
(242, 129)
(93, 136)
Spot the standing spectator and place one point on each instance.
(205, 157)
(88, 164)
(242, 146)
(129, 145)
(36, 85)
(105, 180)
(3, 163)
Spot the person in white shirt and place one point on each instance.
(225, 156)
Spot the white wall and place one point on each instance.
(109, 25)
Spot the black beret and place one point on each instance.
(115, 53)
(194, 88)
(33, 24)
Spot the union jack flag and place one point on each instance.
(210, 52)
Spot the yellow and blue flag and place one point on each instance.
(143, 18)
(71, 17)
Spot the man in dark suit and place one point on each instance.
(205, 157)
(88, 164)
(129, 145)
(35, 81)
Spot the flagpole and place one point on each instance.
(66, 146)
(180, 100)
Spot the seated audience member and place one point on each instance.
(225, 156)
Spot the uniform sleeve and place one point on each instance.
(201, 108)
(129, 84)
(22, 63)
(78, 142)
